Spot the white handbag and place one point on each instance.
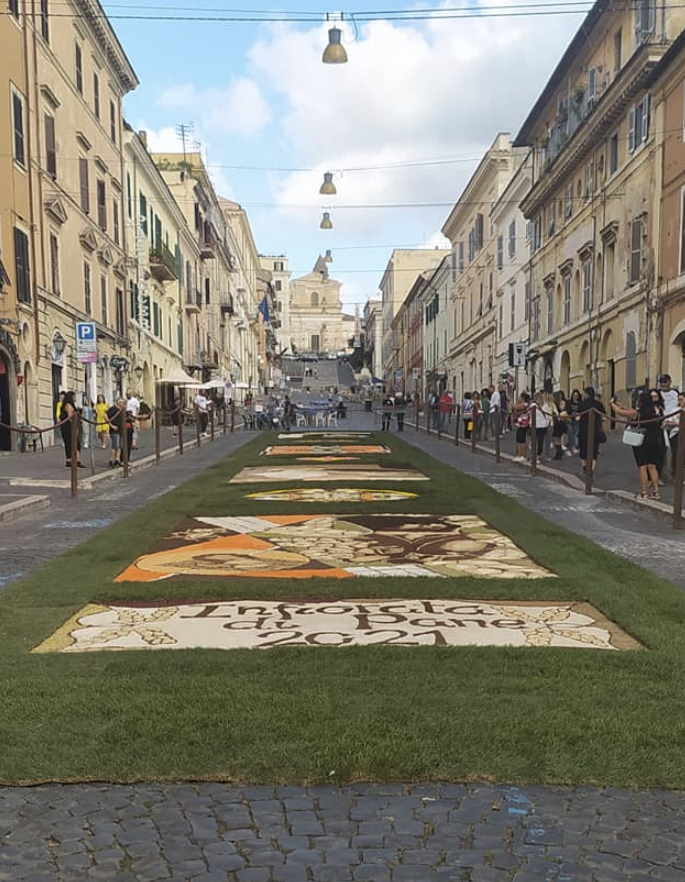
(633, 436)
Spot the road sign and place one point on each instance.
(86, 342)
(517, 355)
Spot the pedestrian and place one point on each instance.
(116, 417)
(559, 424)
(201, 403)
(101, 424)
(467, 414)
(672, 426)
(68, 413)
(386, 413)
(288, 413)
(485, 413)
(434, 408)
(129, 428)
(572, 405)
(522, 423)
(133, 405)
(399, 404)
(496, 415)
(507, 412)
(544, 416)
(177, 417)
(648, 415)
(445, 408)
(588, 457)
(670, 399)
(248, 400)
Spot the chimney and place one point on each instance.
(142, 134)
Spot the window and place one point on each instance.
(567, 298)
(22, 266)
(645, 16)
(587, 284)
(526, 302)
(103, 299)
(461, 257)
(120, 317)
(83, 183)
(609, 264)
(78, 67)
(478, 232)
(472, 249)
(638, 124)
(613, 154)
(129, 196)
(536, 233)
(113, 122)
(44, 24)
(314, 299)
(618, 50)
(512, 239)
(500, 321)
(207, 292)
(500, 252)
(116, 234)
(54, 264)
(87, 292)
(13, 7)
(550, 219)
(278, 266)
(569, 201)
(490, 290)
(135, 301)
(50, 146)
(635, 268)
(278, 285)
(512, 311)
(96, 96)
(631, 361)
(18, 125)
(535, 323)
(549, 295)
(102, 205)
(143, 214)
(480, 299)
(589, 179)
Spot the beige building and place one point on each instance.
(400, 274)
(316, 316)
(594, 202)
(474, 269)
(164, 263)
(277, 265)
(19, 332)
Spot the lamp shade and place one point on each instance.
(334, 53)
(328, 187)
(328, 257)
(326, 222)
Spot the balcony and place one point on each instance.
(163, 264)
(193, 302)
(207, 248)
(210, 359)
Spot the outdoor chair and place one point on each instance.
(320, 419)
(333, 420)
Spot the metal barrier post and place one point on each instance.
(124, 444)
(428, 418)
(590, 461)
(534, 440)
(180, 430)
(158, 434)
(211, 422)
(232, 417)
(73, 431)
(198, 428)
(457, 422)
(679, 474)
(497, 423)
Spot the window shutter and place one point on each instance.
(631, 129)
(22, 266)
(50, 146)
(645, 118)
(500, 252)
(479, 231)
(83, 183)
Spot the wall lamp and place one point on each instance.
(139, 370)
(59, 344)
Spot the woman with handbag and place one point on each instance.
(648, 414)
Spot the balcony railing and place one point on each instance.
(193, 301)
(163, 264)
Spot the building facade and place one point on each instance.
(316, 317)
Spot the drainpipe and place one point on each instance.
(32, 221)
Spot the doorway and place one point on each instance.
(5, 404)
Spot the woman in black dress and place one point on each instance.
(648, 414)
(69, 409)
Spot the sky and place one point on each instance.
(402, 126)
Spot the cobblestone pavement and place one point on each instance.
(381, 833)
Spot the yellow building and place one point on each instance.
(594, 203)
(316, 316)
(79, 75)
(18, 328)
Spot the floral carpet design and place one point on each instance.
(322, 494)
(330, 449)
(315, 474)
(260, 624)
(334, 546)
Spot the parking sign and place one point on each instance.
(86, 342)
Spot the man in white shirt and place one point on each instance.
(670, 396)
(133, 407)
(495, 402)
(201, 402)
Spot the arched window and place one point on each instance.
(315, 298)
(631, 361)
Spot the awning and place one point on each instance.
(178, 377)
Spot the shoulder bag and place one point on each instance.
(633, 436)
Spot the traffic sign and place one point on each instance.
(86, 342)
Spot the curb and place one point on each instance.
(10, 511)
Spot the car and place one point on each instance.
(308, 356)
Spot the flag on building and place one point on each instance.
(264, 309)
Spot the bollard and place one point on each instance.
(180, 431)
(534, 440)
(124, 443)
(158, 435)
(590, 461)
(73, 430)
(232, 417)
(198, 428)
(474, 424)
(497, 422)
(211, 423)
(679, 474)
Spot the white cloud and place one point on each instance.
(239, 110)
